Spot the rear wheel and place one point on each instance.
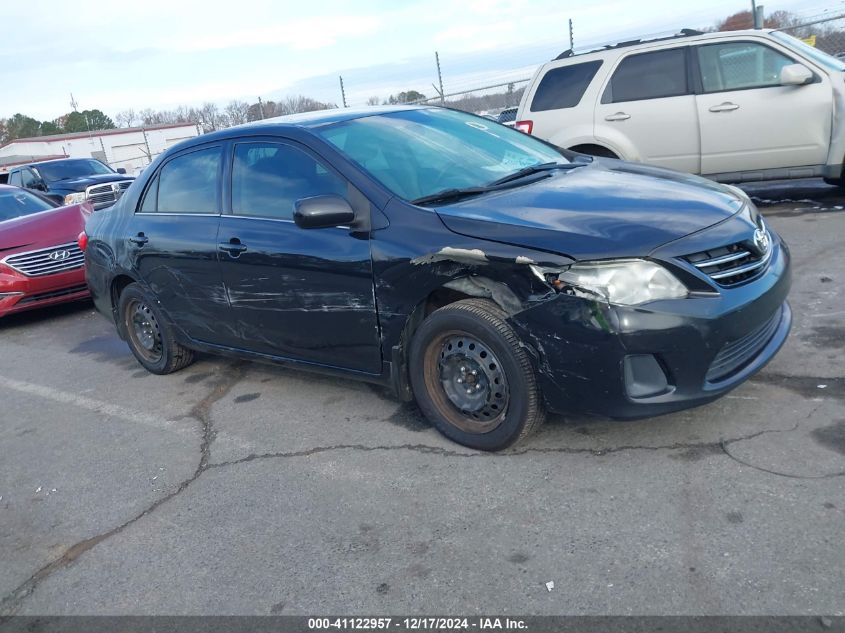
(472, 378)
(148, 333)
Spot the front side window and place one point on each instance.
(268, 179)
(15, 179)
(563, 87)
(28, 178)
(649, 76)
(415, 153)
(739, 65)
(187, 184)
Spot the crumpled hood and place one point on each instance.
(42, 230)
(606, 209)
(79, 184)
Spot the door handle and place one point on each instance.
(619, 116)
(727, 106)
(233, 247)
(139, 240)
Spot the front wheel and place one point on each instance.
(148, 333)
(472, 378)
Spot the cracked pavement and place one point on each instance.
(239, 488)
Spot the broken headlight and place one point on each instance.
(623, 281)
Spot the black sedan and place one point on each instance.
(480, 271)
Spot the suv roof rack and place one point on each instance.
(680, 34)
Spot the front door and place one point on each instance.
(749, 121)
(172, 242)
(648, 105)
(295, 293)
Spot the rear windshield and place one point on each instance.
(563, 87)
(16, 203)
(67, 169)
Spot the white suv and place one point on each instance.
(733, 106)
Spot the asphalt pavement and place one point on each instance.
(240, 488)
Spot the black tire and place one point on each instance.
(836, 182)
(148, 333)
(449, 350)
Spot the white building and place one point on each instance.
(131, 148)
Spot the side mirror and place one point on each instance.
(795, 75)
(120, 170)
(321, 212)
(39, 185)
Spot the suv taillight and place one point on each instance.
(524, 126)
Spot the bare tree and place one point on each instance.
(292, 105)
(236, 113)
(126, 118)
(209, 117)
(373, 101)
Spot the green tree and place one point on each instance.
(49, 127)
(406, 97)
(87, 120)
(22, 126)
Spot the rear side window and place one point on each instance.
(186, 184)
(738, 65)
(268, 179)
(15, 179)
(563, 87)
(649, 76)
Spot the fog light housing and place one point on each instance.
(644, 377)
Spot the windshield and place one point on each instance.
(16, 203)
(820, 57)
(67, 169)
(416, 153)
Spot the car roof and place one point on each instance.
(302, 120)
(52, 160)
(682, 38)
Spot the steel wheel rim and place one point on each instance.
(466, 381)
(144, 331)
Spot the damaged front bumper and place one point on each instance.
(659, 357)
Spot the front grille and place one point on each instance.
(736, 354)
(47, 261)
(733, 264)
(104, 195)
(43, 296)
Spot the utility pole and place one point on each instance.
(572, 38)
(758, 17)
(440, 78)
(147, 143)
(260, 108)
(74, 104)
(342, 92)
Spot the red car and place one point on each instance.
(40, 261)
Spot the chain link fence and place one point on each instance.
(826, 33)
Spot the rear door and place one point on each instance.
(648, 105)
(172, 241)
(295, 293)
(748, 120)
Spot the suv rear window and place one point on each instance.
(649, 76)
(563, 87)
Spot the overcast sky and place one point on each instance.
(161, 53)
